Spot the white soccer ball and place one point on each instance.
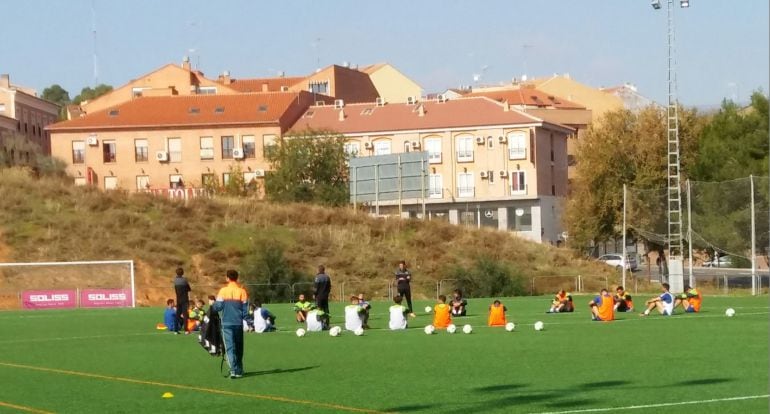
(539, 326)
(510, 326)
(429, 330)
(300, 332)
(730, 312)
(451, 328)
(359, 331)
(467, 329)
(335, 331)
(428, 309)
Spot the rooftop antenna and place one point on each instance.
(93, 35)
(193, 35)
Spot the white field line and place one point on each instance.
(659, 405)
(75, 338)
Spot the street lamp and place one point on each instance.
(674, 193)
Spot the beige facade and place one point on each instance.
(598, 101)
(30, 114)
(392, 85)
(132, 160)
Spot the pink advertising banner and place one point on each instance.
(105, 298)
(49, 299)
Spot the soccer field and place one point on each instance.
(114, 361)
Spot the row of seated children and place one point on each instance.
(604, 306)
(195, 316)
(562, 302)
(442, 314)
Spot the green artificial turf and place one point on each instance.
(89, 361)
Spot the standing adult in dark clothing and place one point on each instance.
(182, 288)
(403, 278)
(323, 287)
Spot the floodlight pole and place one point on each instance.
(674, 191)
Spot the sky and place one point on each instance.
(722, 46)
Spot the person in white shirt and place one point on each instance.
(316, 321)
(398, 313)
(353, 315)
(264, 320)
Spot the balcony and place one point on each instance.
(463, 192)
(517, 153)
(465, 156)
(434, 158)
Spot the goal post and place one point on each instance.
(98, 283)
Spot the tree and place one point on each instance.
(309, 166)
(87, 94)
(623, 147)
(56, 94)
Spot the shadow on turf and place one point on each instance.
(704, 381)
(278, 371)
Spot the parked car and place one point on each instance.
(722, 261)
(616, 261)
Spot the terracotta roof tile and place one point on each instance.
(196, 110)
(369, 118)
(528, 97)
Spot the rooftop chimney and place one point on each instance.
(341, 115)
(225, 78)
(186, 63)
(506, 107)
(5, 81)
(265, 87)
(421, 110)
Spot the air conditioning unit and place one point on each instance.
(411, 100)
(338, 103)
(480, 140)
(441, 98)
(503, 174)
(484, 174)
(416, 145)
(238, 153)
(502, 140)
(161, 156)
(259, 173)
(379, 101)
(92, 141)
(368, 145)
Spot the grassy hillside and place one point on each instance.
(48, 219)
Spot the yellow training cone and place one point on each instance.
(168, 395)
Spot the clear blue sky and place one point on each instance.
(722, 45)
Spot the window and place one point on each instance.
(78, 152)
(352, 149)
(435, 186)
(407, 146)
(433, 146)
(141, 150)
(80, 181)
(137, 91)
(319, 87)
(207, 148)
(520, 218)
(109, 151)
(249, 177)
(110, 183)
(269, 143)
(468, 218)
(142, 182)
(175, 149)
(465, 185)
(228, 143)
(517, 145)
(249, 146)
(518, 182)
(175, 181)
(225, 178)
(2, 107)
(464, 149)
(382, 147)
(207, 90)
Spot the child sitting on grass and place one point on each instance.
(169, 316)
(441, 314)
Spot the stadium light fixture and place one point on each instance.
(656, 4)
(684, 4)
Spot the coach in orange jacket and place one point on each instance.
(233, 306)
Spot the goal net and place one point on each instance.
(84, 284)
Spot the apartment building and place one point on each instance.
(490, 165)
(23, 113)
(174, 144)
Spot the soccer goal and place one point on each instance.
(84, 284)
